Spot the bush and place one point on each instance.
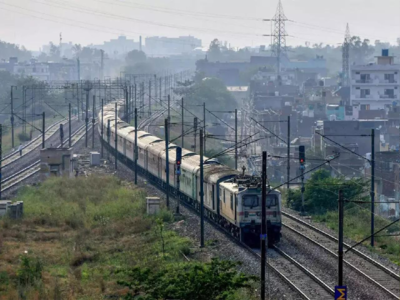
(216, 280)
(23, 137)
(30, 271)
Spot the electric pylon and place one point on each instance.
(346, 57)
(279, 37)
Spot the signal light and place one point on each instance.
(302, 155)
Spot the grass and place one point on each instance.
(77, 237)
(83, 231)
(357, 224)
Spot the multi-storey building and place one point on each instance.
(376, 85)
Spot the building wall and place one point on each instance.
(375, 86)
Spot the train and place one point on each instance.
(231, 198)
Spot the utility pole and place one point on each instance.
(149, 98)
(201, 190)
(167, 160)
(78, 62)
(69, 125)
(12, 116)
(169, 116)
(155, 88)
(87, 118)
(135, 95)
(204, 126)
(340, 256)
(136, 145)
(183, 125)
(1, 157)
(108, 138)
(372, 186)
(102, 127)
(288, 160)
(160, 86)
(43, 130)
(93, 120)
(62, 135)
(263, 222)
(116, 136)
(236, 140)
(78, 102)
(102, 64)
(126, 104)
(195, 133)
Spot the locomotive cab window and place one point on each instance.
(231, 201)
(254, 201)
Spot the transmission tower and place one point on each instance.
(346, 57)
(278, 35)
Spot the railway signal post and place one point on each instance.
(263, 236)
(1, 153)
(167, 160)
(62, 135)
(201, 190)
(136, 145)
(108, 138)
(102, 127)
(116, 136)
(178, 174)
(302, 161)
(43, 130)
(340, 240)
(93, 120)
(69, 125)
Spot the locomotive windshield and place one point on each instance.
(255, 200)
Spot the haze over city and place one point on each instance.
(32, 23)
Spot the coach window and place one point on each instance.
(224, 197)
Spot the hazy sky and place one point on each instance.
(35, 22)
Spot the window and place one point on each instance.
(389, 78)
(365, 78)
(255, 200)
(224, 197)
(231, 201)
(365, 107)
(389, 93)
(364, 93)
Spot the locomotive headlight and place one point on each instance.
(246, 214)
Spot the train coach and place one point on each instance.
(231, 199)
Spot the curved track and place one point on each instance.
(34, 168)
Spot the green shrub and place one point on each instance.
(30, 271)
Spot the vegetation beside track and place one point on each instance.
(321, 196)
(86, 238)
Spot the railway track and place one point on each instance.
(374, 272)
(34, 168)
(32, 145)
(298, 277)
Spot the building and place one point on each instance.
(37, 70)
(119, 46)
(376, 85)
(165, 46)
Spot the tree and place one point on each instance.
(8, 50)
(213, 93)
(321, 192)
(214, 51)
(134, 57)
(360, 50)
(216, 280)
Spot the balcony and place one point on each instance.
(388, 96)
(365, 81)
